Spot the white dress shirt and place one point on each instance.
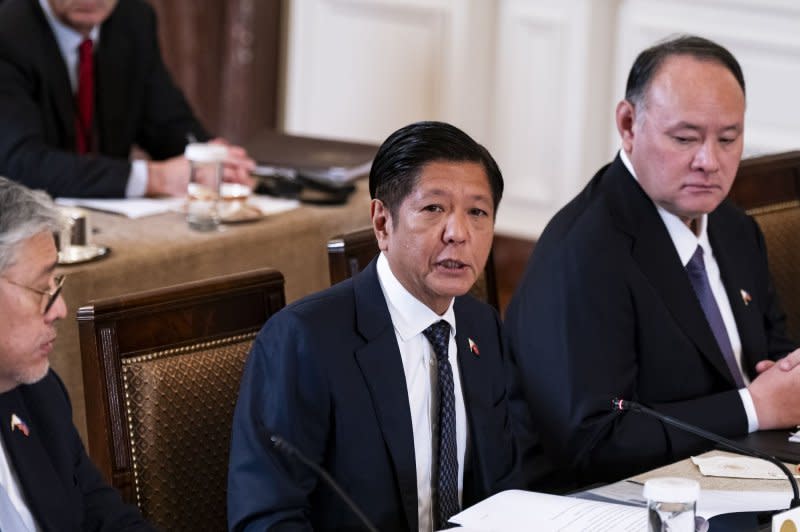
(10, 482)
(686, 242)
(69, 41)
(410, 317)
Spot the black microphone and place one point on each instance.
(620, 405)
(290, 450)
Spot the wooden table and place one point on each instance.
(161, 250)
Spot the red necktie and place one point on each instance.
(85, 97)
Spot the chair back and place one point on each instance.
(350, 253)
(161, 376)
(768, 188)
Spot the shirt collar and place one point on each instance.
(68, 39)
(684, 240)
(410, 316)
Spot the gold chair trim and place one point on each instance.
(766, 209)
(155, 356)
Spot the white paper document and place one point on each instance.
(621, 492)
(710, 503)
(141, 207)
(718, 502)
(271, 205)
(738, 467)
(525, 510)
(130, 207)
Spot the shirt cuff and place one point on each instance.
(137, 180)
(749, 409)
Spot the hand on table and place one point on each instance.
(168, 178)
(775, 396)
(238, 165)
(171, 176)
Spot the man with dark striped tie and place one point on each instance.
(393, 381)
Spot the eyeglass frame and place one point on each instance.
(52, 294)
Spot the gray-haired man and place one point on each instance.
(47, 481)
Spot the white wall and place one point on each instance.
(359, 69)
(534, 80)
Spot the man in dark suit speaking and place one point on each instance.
(80, 84)
(394, 380)
(650, 286)
(47, 482)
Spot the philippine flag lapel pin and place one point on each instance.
(18, 424)
(474, 347)
(745, 296)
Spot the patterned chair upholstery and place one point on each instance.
(350, 253)
(161, 376)
(768, 188)
(780, 224)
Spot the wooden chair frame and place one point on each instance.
(133, 327)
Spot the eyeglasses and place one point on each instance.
(52, 295)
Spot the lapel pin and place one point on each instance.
(745, 297)
(474, 347)
(18, 424)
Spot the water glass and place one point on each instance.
(671, 504)
(205, 179)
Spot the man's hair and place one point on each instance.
(649, 61)
(23, 213)
(400, 159)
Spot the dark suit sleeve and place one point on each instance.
(166, 117)
(104, 510)
(532, 469)
(575, 331)
(282, 392)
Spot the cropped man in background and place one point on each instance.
(392, 381)
(81, 83)
(47, 481)
(650, 286)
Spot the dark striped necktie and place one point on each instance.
(446, 466)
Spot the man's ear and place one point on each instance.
(381, 222)
(625, 118)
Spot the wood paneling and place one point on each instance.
(511, 255)
(225, 56)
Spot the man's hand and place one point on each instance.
(776, 398)
(238, 165)
(171, 177)
(787, 363)
(168, 178)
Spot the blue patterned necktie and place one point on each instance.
(446, 474)
(699, 279)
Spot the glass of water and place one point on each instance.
(671, 504)
(206, 163)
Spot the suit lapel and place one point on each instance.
(476, 392)
(654, 252)
(40, 483)
(382, 368)
(737, 276)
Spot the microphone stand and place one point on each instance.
(290, 450)
(620, 405)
